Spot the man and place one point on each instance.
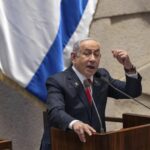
(68, 106)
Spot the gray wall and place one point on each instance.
(21, 119)
(117, 24)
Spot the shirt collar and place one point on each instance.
(80, 76)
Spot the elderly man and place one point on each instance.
(77, 96)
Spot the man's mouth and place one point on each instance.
(91, 67)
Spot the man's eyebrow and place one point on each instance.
(97, 50)
(92, 49)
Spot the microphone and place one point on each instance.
(120, 91)
(87, 84)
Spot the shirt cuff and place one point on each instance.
(72, 123)
(132, 75)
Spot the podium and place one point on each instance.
(5, 144)
(135, 135)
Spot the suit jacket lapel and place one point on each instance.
(78, 87)
(96, 87)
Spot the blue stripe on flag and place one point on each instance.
(71, 13)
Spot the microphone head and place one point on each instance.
(97, 75)
(102, 77)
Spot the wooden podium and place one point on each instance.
(5, 144)
(135, 135)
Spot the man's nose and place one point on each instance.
(92, 57)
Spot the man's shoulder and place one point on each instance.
(61, 74)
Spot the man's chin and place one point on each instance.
(90, 74)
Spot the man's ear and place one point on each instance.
(73, 56)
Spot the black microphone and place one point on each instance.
(87, 84)
(98, 75)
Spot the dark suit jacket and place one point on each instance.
(67, 100)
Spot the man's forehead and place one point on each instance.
(92, 49)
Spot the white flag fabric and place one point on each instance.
(36, 38)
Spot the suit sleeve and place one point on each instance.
(57, 115)
(132, 87)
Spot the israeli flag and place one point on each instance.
(36, 37)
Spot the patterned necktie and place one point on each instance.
(87, 84)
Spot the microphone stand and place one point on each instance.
(127, 95)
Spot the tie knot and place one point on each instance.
(89, 80)
(87, 83)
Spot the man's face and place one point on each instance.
(87, 60)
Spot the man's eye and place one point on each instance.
(97, 54)
(87, 54)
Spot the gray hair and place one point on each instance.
(76, 46)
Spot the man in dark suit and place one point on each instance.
(68, 106)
